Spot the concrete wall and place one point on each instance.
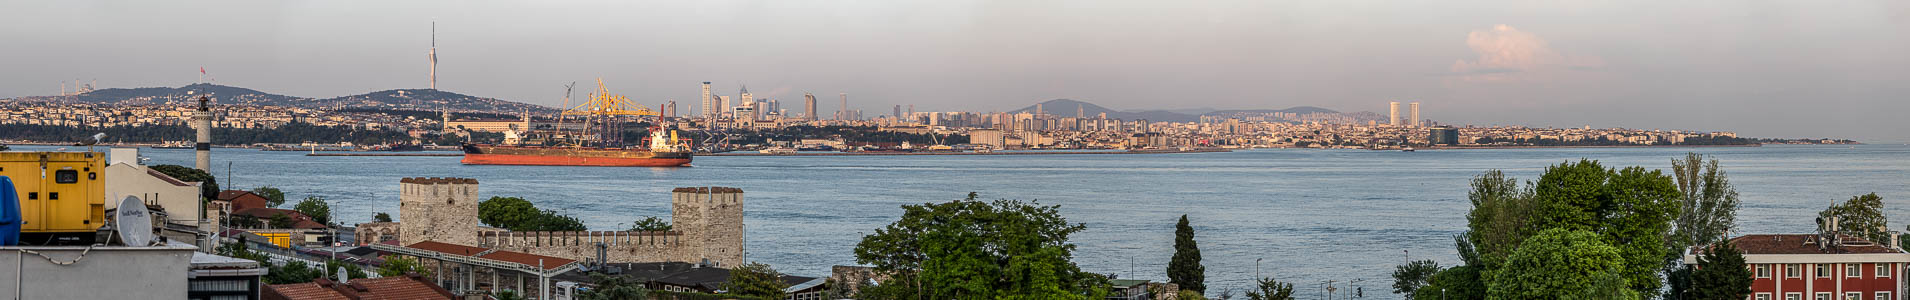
(105, 273)
(126, 177)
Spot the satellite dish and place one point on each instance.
(134, 222)
(342, 276)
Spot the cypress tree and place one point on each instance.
(1185, 269)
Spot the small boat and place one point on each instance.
(1407, 149)
(173, 145)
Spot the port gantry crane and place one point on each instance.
(606, 108)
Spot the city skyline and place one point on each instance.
(1763, 69)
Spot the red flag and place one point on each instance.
(202, 70)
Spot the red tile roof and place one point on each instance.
(410, 286)
(300, 221)
(549, 263)
(242, 199)
(166, 178)
(1805, 244)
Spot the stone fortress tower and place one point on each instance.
(711, 217)
(438, 209)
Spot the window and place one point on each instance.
(1822, 296)
(1853, 270)
(1883, 270)
(1823, 271)
(1764, 271)
(1762, 296)
(1883, 295)
(1790, 271)
(1793, 296)
(1853, 296)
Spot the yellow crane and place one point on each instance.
(603, 103)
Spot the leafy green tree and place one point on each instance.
(1709, 204)
(1861, 216)
(650, 224)
(316, 208)
(1455, 283)
(1189, 295)
(506, 295)
(1721, 274)
(1631, 209)
(292, 272)
(1185, 269)
(518, 214)
(381, 217)
(399, 265)
(1411, 276)
(1270, 289)
(1501, 218)
(273, 196)
(968, 249)
(613, 288)
(756, 280)
(208, 185)
(352, 270)
(281, 221)
(1558, 262)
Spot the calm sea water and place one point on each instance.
(1311, 215)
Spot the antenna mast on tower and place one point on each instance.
(433, 55)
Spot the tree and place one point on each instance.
(399, 265)
(1455, 283)
(1709, 203)
(966, 249)
(1185, 269)
(208, 185)
(352, 270)
(381, 217)
(650, 224)
(756, 280)
(1411, 276)
(316, 208)
(1559, 262)
(1721, 274)
(273, 196)
(1189, 295)
(613, 288)
(293, 272)
(1500, 219)
(1861, 216)
(1270, 289)
(281, 221)
(518, 214)
(1631, 209)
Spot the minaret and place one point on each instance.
(434, 56)
(202, 118)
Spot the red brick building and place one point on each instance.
(1810, 267)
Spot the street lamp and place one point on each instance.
(1256, 269)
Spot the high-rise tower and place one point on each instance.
(1415, 114)
(844, 113)
(1393, 113)
(709, 106)
(809, 107)
(433, 55)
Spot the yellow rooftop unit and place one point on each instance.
(60, 192)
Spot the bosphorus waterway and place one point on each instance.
(1312, 215)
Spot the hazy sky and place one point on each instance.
(1761, 68)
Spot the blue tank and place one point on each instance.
(9, 213)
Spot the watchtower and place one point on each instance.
(438, 209)
(711, 220)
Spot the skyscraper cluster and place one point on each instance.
(1393, 118)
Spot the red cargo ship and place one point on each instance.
(664, 149)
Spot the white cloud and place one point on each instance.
(1507, 54)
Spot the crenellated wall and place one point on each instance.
(707, 226)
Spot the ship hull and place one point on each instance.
(560, 156)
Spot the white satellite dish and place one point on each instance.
(342, 276)
(134, 222)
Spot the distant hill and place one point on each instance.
(1066, 108)
(416, 99)
(429, 99)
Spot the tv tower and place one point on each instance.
(433, 55)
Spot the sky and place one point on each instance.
(1760, 68)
